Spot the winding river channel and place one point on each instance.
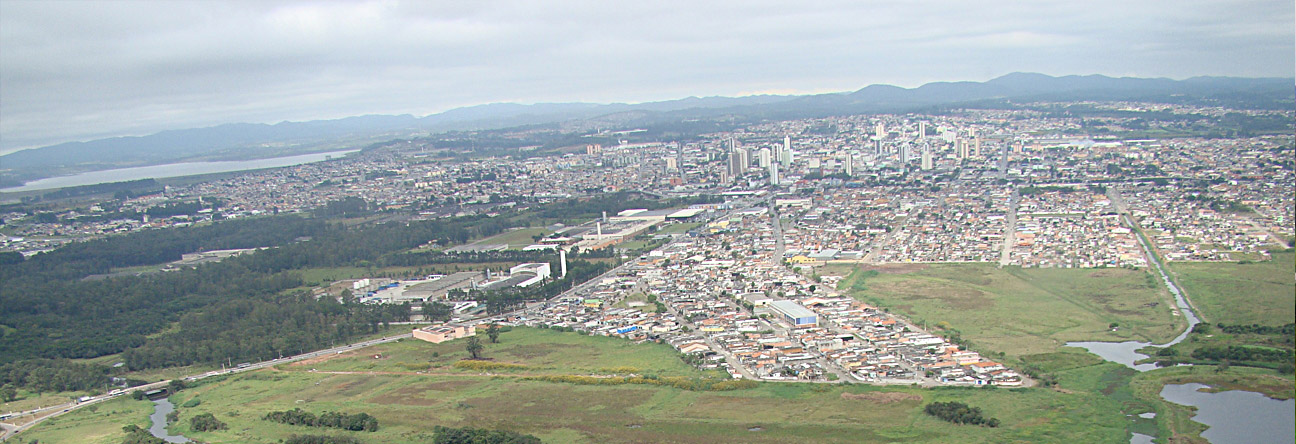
(1126, 353)
(1233, 416)
(161, 408)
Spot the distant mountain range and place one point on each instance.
(245, 140)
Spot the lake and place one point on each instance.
(1236, 416)
(170, 170)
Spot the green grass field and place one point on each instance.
(1091, 405)
(636, 297)
(1022, 311)
(1242, 293)
(543, 352)
(678, 228)
(101, 423)
(408, 406)
(516, 239)
(1025, 314)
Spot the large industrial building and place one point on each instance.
(795, 314)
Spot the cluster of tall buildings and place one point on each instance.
(770, 160)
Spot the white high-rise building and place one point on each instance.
(764, 158)
(926, 159)
(849, 167)
(738, 163)
(880, 131)
(922, 130)
(786, 155)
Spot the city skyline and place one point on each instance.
(77, 71)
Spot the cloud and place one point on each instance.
(79, 70)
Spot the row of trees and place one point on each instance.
(321, 439)
(1238, 353)
(354, 422)
(1257, 329)
(451, 435)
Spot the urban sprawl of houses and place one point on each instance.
(737, 288)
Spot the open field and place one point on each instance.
(636, 297)
(1242, 293)
(516, 239)
(101, 423)
(543, 352)
(1091, 405)
(408, 406)
(1021, 311)
(1025, 314)
(678, 228)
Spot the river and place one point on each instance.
(161, 408)
(170, 170)
(1126, 353)
(1233, 416)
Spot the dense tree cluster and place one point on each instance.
(355, 422)
(959, 413)
(206, 422)
(350, 206)
(81, 259)
(437, 312)
(1257, 329)
(1238, 353)
(136, 435)
(243, 308)
(250, 329)
(49, 375)
(320, 439)
(450, 435)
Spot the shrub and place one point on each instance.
(206, 422)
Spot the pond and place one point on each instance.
(1237, 416)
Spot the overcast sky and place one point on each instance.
(82, 70)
